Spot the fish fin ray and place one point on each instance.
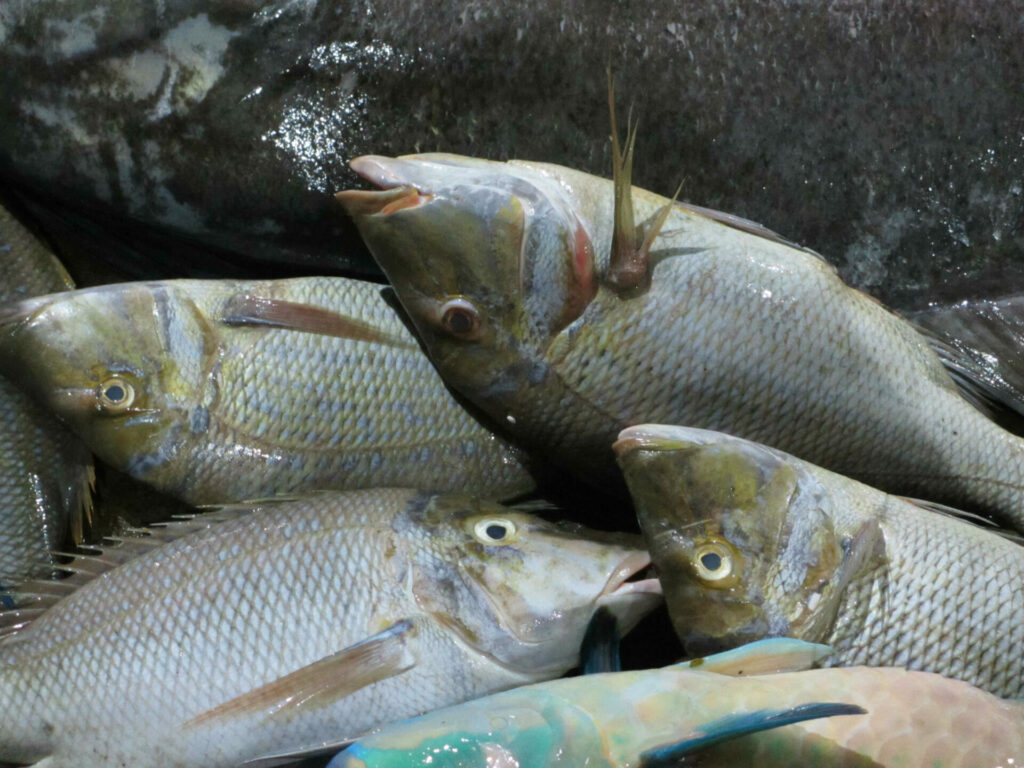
(981, 345)
(742, 724)
(967, 517)
(763, 657)
(333, 677)
(322, 749)
(248, 309)
(599, 651)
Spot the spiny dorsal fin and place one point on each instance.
(981, 344)
(32, 598)
(323, 682)
(967, 517)
(247, 309)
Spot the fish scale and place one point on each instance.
(239, 404)
(44, 471)
(133, 667)
(738, 331)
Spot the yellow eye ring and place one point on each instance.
(460, 318)
(494, 530)
(713, 562)
(116, 394)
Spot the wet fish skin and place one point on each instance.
(168, 659)
(739, 331)
(45, 473)
(613, 719)
(801, 552)
(244, 390)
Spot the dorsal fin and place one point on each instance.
(750, 227)
(248, 309)
(32, 598)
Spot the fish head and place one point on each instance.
(521, 590)
(523, 727)
(742, 536)
(121, 364)
(490, 260)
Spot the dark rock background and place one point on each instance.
(177, 137)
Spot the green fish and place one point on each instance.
(45, 472)
(568, 307)
(756, 706)
(752, 543)
(221, 391)
(270, 629)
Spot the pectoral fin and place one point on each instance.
(247, 309)
(777, 654)
(323, 682)
(599, 651)
(742, 724)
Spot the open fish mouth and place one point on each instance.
(633, 576)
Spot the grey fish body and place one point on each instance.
(171, 658)
(798, 551)
(245, 390)
(737, 331)
(44, 470)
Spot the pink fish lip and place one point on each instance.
(650, 437)
(362, 202)
(619, 583)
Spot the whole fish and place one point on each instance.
(750, 543)
(221, 391)
(280, 628)
(717, 712)
(698, 317)
(45, 472)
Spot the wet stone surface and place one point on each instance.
(890, 137)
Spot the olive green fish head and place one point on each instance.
(519, 589)
(489, 259)
(741, 536)
(121, 364)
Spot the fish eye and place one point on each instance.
(494, 530)
(116, 394)
(460, 318)
(713, 561)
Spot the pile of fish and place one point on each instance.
(769, 422)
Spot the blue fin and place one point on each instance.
(742, 724)
(599, 651)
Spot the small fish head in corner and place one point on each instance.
(740, 535)
(123, 365)
(489, 259)
(518, 589)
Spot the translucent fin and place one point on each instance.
(321, 750)
(967, 517)
(742, 724)
(246, 309)
(599, 651)
(981, 343)
(776, 654)
(80, 499)
(323, 682)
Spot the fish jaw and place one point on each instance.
(490, 260)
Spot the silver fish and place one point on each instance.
(279, 628)
(571, 306)
(222, 391)
(45, 472)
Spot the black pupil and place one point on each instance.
(114, 393)
(711, 561)
(460, 320)
(496, 531)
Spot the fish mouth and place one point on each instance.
(633, 576)
(363, 202)
(661, 437)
